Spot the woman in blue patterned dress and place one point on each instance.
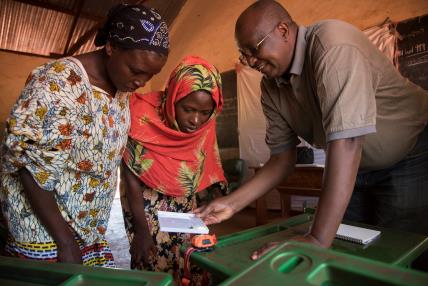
(65, 138)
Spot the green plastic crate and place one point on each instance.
(300, 264)
(232, 253)
(22, 272)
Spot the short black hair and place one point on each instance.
(268, 14)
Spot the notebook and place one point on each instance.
(356, 234)
(181, 222)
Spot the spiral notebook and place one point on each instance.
(356, 234)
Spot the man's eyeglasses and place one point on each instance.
(253, 52)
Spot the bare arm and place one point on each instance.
(142, 245)
(277, 168)
(46, 209)
(134, 194)
(342, 162)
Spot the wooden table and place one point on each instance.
(306, 180)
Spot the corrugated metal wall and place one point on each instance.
(43, 27)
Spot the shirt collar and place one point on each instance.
(299, 55)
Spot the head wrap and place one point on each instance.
(134, 27)
(192, 74)
(165, 159)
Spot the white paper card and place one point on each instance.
(181, 222)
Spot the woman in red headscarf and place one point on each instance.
(171, 155)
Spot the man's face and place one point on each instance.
(269, 51)
(129, 69)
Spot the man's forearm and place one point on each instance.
(45, 207)
(276, 169)
(342, 162)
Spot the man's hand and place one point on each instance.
(142, 250)
(69, 252)
(269, 176)
(215, 212)
(308, 238)
(267, 247)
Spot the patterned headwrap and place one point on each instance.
(192, 74)
(134, 27)
(164, 158)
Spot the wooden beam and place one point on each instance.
(83, 39)
(79, 6)
(52, 56)
(61, 9)
(88, 34)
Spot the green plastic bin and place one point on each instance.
(21, 272)
(232, 253)
(300, 264)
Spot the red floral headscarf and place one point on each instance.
(164, 158)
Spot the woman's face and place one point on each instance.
(193, 110)
(129, 69)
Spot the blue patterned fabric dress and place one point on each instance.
(70, 136)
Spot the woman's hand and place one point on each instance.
(69, 252)
(142, 250)
(267, 247)
(142, 246)
(45, 207)
(215, 212)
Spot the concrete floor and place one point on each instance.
(117, 238)
(119, 244)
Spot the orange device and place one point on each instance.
(200, 243)
(203, 241)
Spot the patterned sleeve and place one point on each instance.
(132, 157)
(40, 127)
